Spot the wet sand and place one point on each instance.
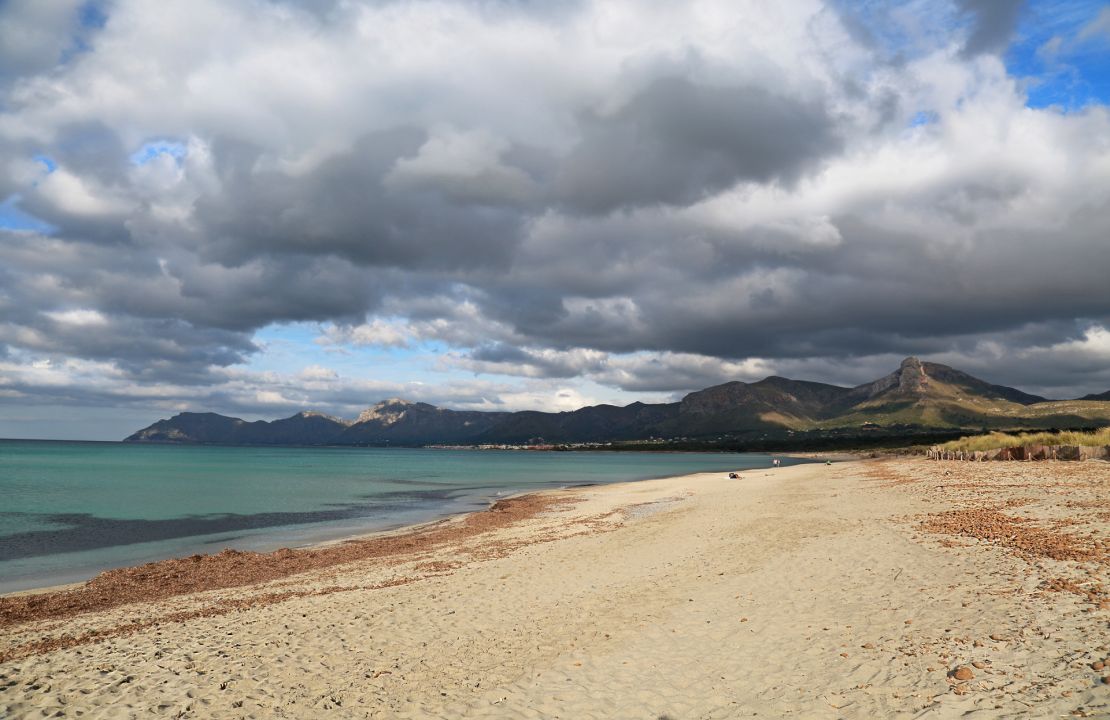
(882, 588)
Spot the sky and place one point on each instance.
(266, 206)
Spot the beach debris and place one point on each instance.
(1018, 534)
(235, 568)
(962, 673)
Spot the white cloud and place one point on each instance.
(82, 317)
(76, 195)
(318, 373)
(377, 333)
(465, 165)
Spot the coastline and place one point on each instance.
(359, 493)
(436, 518)
(857, 589)
(229, 568)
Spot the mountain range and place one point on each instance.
(917, 396)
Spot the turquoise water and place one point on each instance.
(71, 509)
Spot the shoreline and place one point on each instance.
(299, 538)
(282, 562)
(229, 568)
(876, 588)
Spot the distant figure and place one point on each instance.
(734, 476)
(775, 462)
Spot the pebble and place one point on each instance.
(963, 673)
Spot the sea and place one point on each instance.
(69, 510)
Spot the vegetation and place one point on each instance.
(995, 440)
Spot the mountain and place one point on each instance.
(1099, 396)
(771, 402)
(597, 423)
(917, 396)
(392, 421)
(932, 395)
(304, 428)
(915, 379)
(400, 422)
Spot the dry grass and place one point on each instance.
(1003, 440)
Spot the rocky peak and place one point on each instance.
(911, 376)
(386, 412)
(306, 414)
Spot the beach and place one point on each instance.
(871, 588)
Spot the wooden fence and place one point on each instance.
(1024, 452)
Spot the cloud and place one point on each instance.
(580, 198)
(993, 25)
(377, 333)
(467, 167)
(677, 142)
(34, 35)
(1100, 25)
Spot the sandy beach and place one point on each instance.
(879, 588)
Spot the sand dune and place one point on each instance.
(809, 591)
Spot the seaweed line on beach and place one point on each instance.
(232, 568)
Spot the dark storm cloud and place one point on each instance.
(136, 343)
(875, 291)
(170, 320)
(507, 359)
(993, 24)
(268, 289)
(90, 149)
(344, 208)
(35, 35)
(678, 141)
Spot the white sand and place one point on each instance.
(800, 592)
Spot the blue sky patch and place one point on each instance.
(290, 347)
(923, 117)
(92, 15)
(47, 162)
(149, 151)
(1062, 53)
(13, 217)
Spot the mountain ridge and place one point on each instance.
(919, 394)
